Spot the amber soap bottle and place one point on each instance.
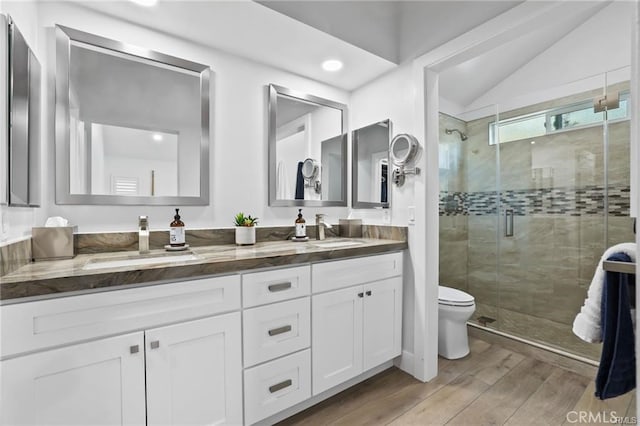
(301, 226)
(176, 231)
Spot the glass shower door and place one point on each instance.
(468, 209)
(619, 225)
(558, 159)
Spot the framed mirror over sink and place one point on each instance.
(307, 149)
(132, 124)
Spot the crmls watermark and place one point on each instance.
(601, 417)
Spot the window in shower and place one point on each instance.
(574, 116)
(582, 114)
(518, 128)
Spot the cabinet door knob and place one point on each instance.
(155, 344)
(360, 294)
(368, 293)
(134, 349)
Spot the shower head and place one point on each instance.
(463, 136)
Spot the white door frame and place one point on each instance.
(425, 71)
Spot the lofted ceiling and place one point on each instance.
(467, 81)
(555, 53)
(250, 30)
(370, 37)
(398, 31)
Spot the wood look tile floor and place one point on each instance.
(493, 385)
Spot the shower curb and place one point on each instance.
(559, 358)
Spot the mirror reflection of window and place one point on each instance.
(122, 125)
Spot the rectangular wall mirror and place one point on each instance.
(307, 150)
(370, 165)
(132, 125)
(22, 150)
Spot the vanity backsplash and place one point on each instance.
(128, 241)
(15, 255)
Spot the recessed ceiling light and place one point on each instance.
(332, 65)
(157, 137)
(147, 3)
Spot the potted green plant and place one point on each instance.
(245, 229)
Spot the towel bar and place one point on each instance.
(623, 267)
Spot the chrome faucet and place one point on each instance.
(320, 226)
(143, 234)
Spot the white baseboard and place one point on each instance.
(405, 362)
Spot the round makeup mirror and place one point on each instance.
(403, 149)
(309, 169)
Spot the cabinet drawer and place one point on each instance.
(36, 325)
(260, 288)
(276, 330)
(344, 273)
(276, 386)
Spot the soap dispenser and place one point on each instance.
(176, 231)
(301, 227)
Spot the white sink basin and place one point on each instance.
(337, 244)
(139, 261)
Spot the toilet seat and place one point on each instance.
(452, 297)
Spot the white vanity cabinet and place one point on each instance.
(192, 367)
(357, 327)
(194, 372)
(276, 340)
(236, 349)
(95, 383)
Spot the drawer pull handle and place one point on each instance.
(134, 349)
(155, 344)
(368, 293)
(279, 287)
(360, 294)
(279, 386)
(279, 330)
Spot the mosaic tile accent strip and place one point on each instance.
(585, 201)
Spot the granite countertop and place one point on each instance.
(53, 278)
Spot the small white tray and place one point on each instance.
(169, 247)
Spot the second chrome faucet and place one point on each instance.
(143, 234)
(321, 225)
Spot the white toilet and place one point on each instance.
(455, 307)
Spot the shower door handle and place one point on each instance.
(508, 223)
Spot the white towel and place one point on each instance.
(587, 323)
(283, 188)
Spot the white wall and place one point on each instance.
(389, 97)
(238, 161)
(16, 222)
(635, 124)
(392, 97)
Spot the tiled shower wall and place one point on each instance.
(534, 282)
(454, 231)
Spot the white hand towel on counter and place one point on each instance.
(587, 323)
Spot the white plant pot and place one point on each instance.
(245, 235)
